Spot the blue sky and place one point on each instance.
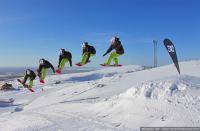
(34, 29)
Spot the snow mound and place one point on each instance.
(164, 89)
(158, 102)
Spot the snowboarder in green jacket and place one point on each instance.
(119, 50)
(65, 56)
(44, 68)
(88, 52)
(30, 75)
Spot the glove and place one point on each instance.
(39, 74)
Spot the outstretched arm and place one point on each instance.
(109, 50)
(60, 58)
(25, 79)
(52, 67)
(83, 51)
(40, 69)
(70, 62)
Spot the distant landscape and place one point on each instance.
(7, 74)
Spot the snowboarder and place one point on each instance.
(88, 51)
(65, 56)
(29, 75)
(44, 68)
(115, 44)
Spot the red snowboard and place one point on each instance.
(42, 81)
(79, 64)
(25, 85)
(111, 65)
(58, 71)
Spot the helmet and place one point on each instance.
(41, 61)
(85, 44)
(114, 39)
(28, 71)
(62, 50)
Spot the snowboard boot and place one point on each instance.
(58, 71)
(42, 81)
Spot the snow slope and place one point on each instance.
(116, 98)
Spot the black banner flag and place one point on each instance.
(172, 52)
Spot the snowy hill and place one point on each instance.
(122, 98)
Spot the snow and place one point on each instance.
(112, 98)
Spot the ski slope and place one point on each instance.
(113, 98)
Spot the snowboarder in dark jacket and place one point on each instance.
(119, 50)
(65, 56)
(44, 68)
(30, 75)
(88, 51)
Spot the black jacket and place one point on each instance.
(117, 46)
(89, 49)
(31, 76)
(67, 55)
(45, 64)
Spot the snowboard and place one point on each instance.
(119, 65)
(58, 71)
(7, 101)
(79, 64)
(25, 85)
(42, 81)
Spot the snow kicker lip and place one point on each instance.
(163, 89)
(90, 77)
(97, 76)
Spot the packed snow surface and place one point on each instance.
(113, 98)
